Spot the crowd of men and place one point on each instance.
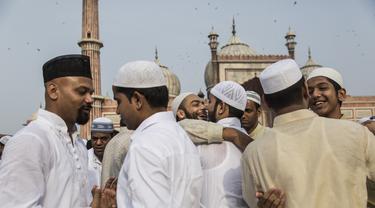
(207, 153)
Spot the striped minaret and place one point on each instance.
(90, 46)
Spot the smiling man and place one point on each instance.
(326, 92)
(45, 164)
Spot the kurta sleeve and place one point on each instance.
(23, 171)
(248, 182)
(370, 154)
(203, 132)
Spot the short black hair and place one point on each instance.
(155, 96)
(337, 88)
(286, 97)
(233, 112)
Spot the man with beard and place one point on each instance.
(249, 120)
(326, 91)
(221, 162)
(101, 133)
(45, 164)
(317, 161)
(189, 106)
(191, 113)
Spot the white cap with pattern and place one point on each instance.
(230, 93)
(279, 76)
(140, 74)
(4, 139)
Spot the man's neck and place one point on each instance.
(336, 114)
(289, 109)
(253, 128)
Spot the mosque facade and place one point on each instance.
(235, 61)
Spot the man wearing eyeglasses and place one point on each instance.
(101, 133)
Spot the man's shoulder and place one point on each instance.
(340, 125)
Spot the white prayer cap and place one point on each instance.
(230, 93)
(279, 76)
(178, 100)
(329, 73)
(366, 119)
(4, 139)
(140, 74)
(253, 96)
(102, 124)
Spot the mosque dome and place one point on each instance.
(309, 66)
(235, 47)
(173, 83)
(209, 75)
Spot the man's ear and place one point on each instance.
(138, 100)
(341, 94)
(180, 114)
(52, 90)
(221, 108)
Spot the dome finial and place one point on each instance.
(234, 27)
(156, 56)
(309, 53)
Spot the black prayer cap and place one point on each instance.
(67, 65)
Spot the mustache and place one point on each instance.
(86, 107)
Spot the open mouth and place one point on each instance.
(319, 104)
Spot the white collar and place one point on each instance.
(232, 122)
(52, 118)
(153, 119)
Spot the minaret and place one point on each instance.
(213, 46)
(290, 43)
(90, 46)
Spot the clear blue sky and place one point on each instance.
(340, 33)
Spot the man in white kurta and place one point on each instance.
(162, 167)
(317, 162)
(221, 162)
(42, 167)
(45, 164)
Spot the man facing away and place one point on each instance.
(45, 164)
(318, 162)
(162, 167)
(221, 162)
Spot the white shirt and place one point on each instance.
(41, 167)
(94, 171)
(232, 122)
(162, 167)
(222, 184)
